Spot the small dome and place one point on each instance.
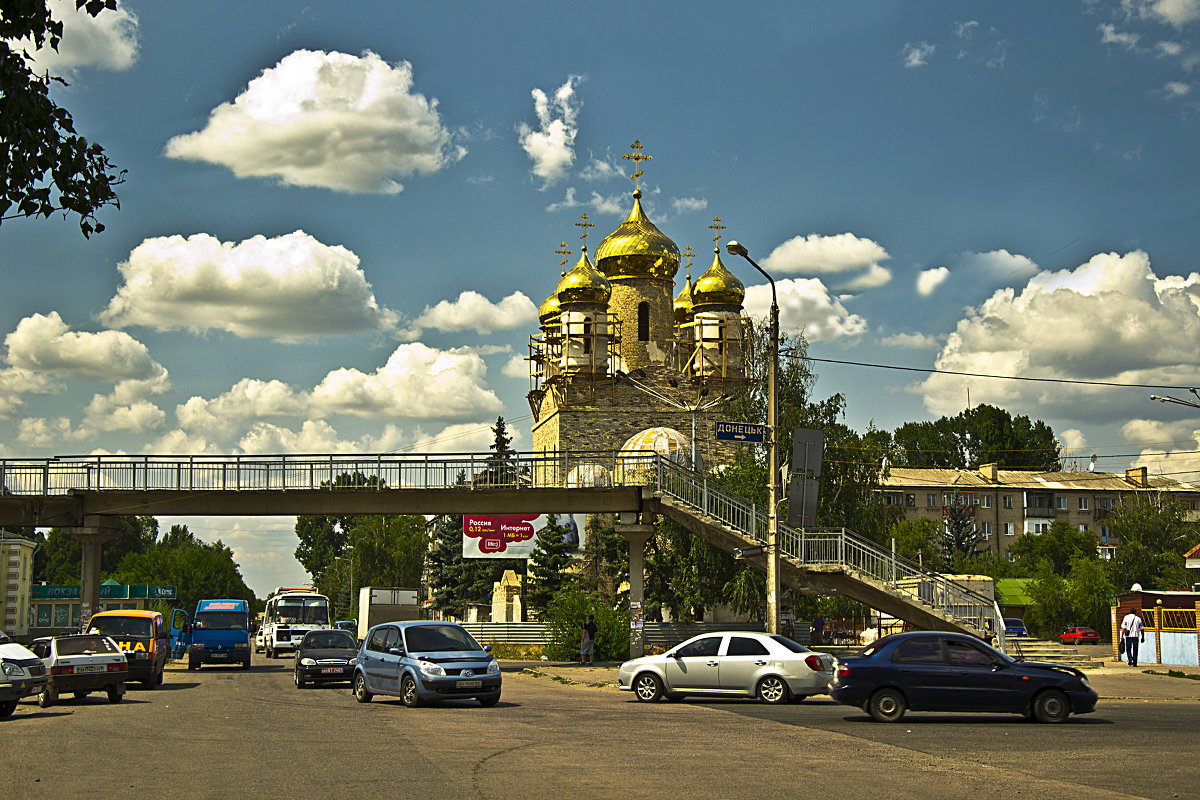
(549, 309)
(718, 286)
(684, 312)
(666, 442)
(583, 284)
(588, 475)
(637, 249)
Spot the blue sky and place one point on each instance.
(338, 219)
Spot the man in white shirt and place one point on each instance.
(1133, 632)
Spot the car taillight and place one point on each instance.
(814, 663)
(62, 670)
(118, 667)
(843, 670)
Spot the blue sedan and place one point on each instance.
(936, 671)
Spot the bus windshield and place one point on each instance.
(222, 621)
(302, 611)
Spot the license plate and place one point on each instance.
(220, 655)
(332, 671)
(469, 684)
(90, 668)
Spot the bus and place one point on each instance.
(291, 613)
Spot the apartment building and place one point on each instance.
(16, 578)
(1009, 503)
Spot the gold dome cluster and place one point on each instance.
(637, 249)
(718, 286)
(583, 284)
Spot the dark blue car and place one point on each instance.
(936, 671)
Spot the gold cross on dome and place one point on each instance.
(690, 255)
(583, 225)
(717, 227)
(564, 252)
(637, 156)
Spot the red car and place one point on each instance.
(1077, 634)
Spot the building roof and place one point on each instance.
(969, 479)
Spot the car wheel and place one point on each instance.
(408, 692)
(47, 697)
(115, 694)
(1051, 706)
(490, 700)
(887, 705)
(361, 694)
(648, 687)
(772, 690)
(81, 695)
(7, 707)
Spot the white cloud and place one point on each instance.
(107, 41)
(1176, 13)
(930, 279)
(681, 205)
(248, 400)
(44, 343)
(805, 303)
(1072, 440)
(600, 204)
(1110, 35)
(467, 437)
(854, 260)
(917, 55)
(599, 170)
(1176, 89)
(42, 432)
(473, 311)
(332, 120)
(516, 367)
(910, 341)
(999, 263)
(1111, 320)
(551, 146)
(1170, 49)
(287, 288)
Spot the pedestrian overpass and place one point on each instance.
(88, 494)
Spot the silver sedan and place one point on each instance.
(734, 664)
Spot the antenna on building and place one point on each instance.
(1092, 463)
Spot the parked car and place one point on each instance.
(80, 664)
(734, 664)
(422, 660)
(144, 638)
(937, 671)
(325, 656)
(1015, 627)
(346, 625)
(21, 674)
(1078, 634)
(259, 646)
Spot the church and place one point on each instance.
(626, 360)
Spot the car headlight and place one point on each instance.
(353, 662)
(429, 668)
(493, 667)
(13, 670)
(308, 662)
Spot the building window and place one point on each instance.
(643, 321)
(1008, 501)
(986, 501)
(891, 498)
(587, 335)
(1010, 529)
(1084, 528)
(1083, 504)
(931, 500)
(1062, 503)
(910, 501)
(1105, 503)
(985, 530)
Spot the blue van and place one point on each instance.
(219, 633)
(421, 661)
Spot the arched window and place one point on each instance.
(587, 335)
(643, 321)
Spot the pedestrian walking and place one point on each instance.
(1134, 633)
(587, 642)
(818, 628)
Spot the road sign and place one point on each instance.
(741, 432)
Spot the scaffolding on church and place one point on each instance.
(714, 350)
(575, 350)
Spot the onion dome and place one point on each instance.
(637, 249)
(549, 309)
(718, 286)
(684, 312)
(636, 455)
(583, 284)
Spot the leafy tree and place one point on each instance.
(1153, 538)
(1051, 610)
(323, 538)
(549, 564)
(605, 562)
(565, 615)
(959, 532)
(1056, 547)
(920, 540)
(981, 435)
(380, 551)
(1091, 592)
(63, 560)
(45, 166)
(197, 569)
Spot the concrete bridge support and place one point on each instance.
(638, 535)
(95, 531)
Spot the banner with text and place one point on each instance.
(515, 535)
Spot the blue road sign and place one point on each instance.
(741, 432)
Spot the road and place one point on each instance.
(225, 732)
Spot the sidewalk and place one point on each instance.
(1113, 681)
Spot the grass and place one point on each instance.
(1174, 673)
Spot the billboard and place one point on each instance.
(515, 535)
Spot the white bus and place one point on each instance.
(290, 614)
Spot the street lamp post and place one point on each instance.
(773, 583)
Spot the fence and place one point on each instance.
(657, 635)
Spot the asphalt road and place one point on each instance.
(228, 733)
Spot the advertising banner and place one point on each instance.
(515, 535)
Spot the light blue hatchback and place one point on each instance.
(422, 661)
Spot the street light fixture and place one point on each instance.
(773, 584)
(1178, 401)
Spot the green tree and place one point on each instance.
(63, 559)
(1091, 592)
(605, 562)
(920, 540)
(549, 564)
(980, 435)
(565, 615)
(1153, 538)
(197, 569)
(45, 166)
(380, 551)
(1056, 547)
(1051, 610)
(960, 535)
(501, 469)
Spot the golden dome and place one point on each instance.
(718, 286)
(549, 309)
(583, 284)
(683, 303)
(637, 249)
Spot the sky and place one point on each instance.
(337, 220)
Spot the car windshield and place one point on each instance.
(311, 611)
(120, 626)
(795, 647)
(329, 640)
(81, 645)
(222, 620)
(439, 638)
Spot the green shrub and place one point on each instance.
(565, 615)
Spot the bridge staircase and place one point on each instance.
(826, 561)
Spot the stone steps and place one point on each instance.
(1044, 650)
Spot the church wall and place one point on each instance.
(626, 294)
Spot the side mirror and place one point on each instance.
(487, 648)
(396, 651)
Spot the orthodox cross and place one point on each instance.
(564, 252)
(717, 227)
(583, 225)
(637, 156)
(690, 255)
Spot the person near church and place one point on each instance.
(1134, 633)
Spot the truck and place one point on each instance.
(385, 604)
(219, 633)
(291, 613)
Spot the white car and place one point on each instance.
(730, 664)
(79, 664)
(259, 642)
(21, 674)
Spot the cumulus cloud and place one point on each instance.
(44, 343)
(910, 341)
(516, 367)
(917, 55)
(1111, 319)
(805, 303)
(600, 170)
(331, 120)
(107, 41)
(997, 263)
(852, 260)
(1176, 13)
(43, 432)
(681, 205)
(288, 288)
(473, 311)
(1176, 89)
(248, 400)
(551, 146)
(1110, 35)
(600, 204)
(930, 279)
